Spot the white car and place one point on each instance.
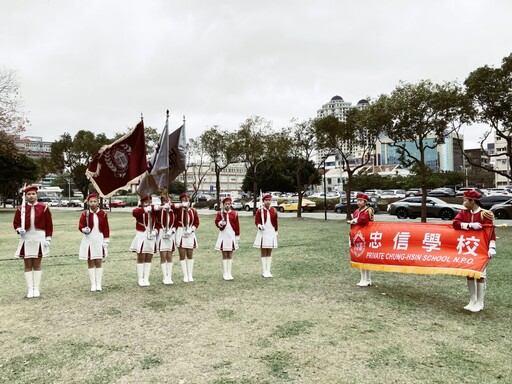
(54, 203)
(392, 194)
(249, 205)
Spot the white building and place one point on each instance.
(501, 161)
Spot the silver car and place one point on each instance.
(410, 207)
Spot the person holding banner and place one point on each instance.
(166, 234)
(474, 218)
(144, 242)
(227, 222)
(186, 224)
(94, 225)
(33, 222)
(266, 238)
(362, 216)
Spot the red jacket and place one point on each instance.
(102, 222)
(43, 220)
(273, 216)
(363, 216)
(481, 216)
(233, 220)
(163, 216)
(142, 218)
(193, 218)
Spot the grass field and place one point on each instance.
(309, 324)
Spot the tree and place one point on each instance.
(490, 92)
(417, 117)
(195, 165)
(12, 120)
(353, 139)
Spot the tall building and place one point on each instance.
(34, 146)
(501, 161)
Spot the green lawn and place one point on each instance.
(309, 324)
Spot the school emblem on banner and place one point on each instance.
(359, 244)
(117, 159)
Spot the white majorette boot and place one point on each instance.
(29, 278)
(190, 269)
(99, 278)
(147, 271)
(169, 273)
(264, 266)
(269, 263)
(163, 267)
(230, 264)
(472, 294)
(184, 270)
(37, 283)
(92, 278)
(480, 293)
(140, 274)
(225, 269)
(363, 276)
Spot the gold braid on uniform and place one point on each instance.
(487, 215)
(371, 213)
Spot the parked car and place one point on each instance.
(249, 205)
(488, 201)
(342, 207)
(117, 203)
(410, 207)
(502, 210)
(413, 192)
(64, 203)
(203, 197)
(392, 194)
(374, 192)
(54, 203)
(460, 191)
(442, 192)
(498, 191)
(237, 205)
(293, 204)
(75, 204)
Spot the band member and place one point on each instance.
(186, 223)
(266, 238)
(229, 235)
(144, 242)
(473, 218)
(93, 224)
(33, 222)
(166, 234)
(362, 216)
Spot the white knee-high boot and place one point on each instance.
(190, 269)
(140, 274)
(147, 272)
(472, 294)
(92, 278)
(264, 266)
(480, 293)
(99, 278)
(29, 278)
(269, 263)
(169, 272)
(225, 269)
(368, 277)
(363, 278)
(165, 279)
(230, 264)
(184, 270)
(37, 283)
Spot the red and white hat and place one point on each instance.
(184, 196)
(227, 200)
(471, 194)
(267, 196)
(145, 198)
(92, 196)
(363, 196)
(30, 188)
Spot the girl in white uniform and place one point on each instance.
(227, 222)
(266, 238)
(186, 224)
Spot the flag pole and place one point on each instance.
(167, 139)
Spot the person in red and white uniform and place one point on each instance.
(33, 222)
(186, 223)
(144, 242)
(93, 224)
(362, 216)
(474, 218)
(227, 222)
(266, 238)
(166, 235)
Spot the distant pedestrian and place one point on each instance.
(362, 216)
(186, 223)
(266, 237)
(94, 225)
(33, 222)
(227, 222)
(144, 242)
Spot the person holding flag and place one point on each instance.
(33, 222)
(474, 218)
(144, 242)
(227, 222)
(166, 234)
(266, 238)
(186, 223)
(362, 216)
(94, 225)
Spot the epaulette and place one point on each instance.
(487, 214)
(46, 206)
(371, 213)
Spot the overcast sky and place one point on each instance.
(96, 65)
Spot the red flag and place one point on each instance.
(117, 164)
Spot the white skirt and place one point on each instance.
(32, 241)
(165, 244)
(226, 241)
(141, 243)
(91, 247)
(189, 242)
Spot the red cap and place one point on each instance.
(92, 196)
(471, 194)
(30, 188)
(145, 198)
(184, 196)
(363, 196)
(227, 200)
(267, 196)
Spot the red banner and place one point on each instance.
(420, 248)
(117, 164)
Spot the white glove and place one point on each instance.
(105, 244)
(237, 240)
(492, 252)
(173, 230)
(277, 233)
(185, 204)
(192, 229)
(261, 227)
(353, 221)
(475, 225)
(86, 230)
(148, 209)
(20, 231)
(47, 242)
(166, 206)
(154, 233)
(222, 223)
